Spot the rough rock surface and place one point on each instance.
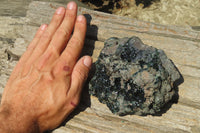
(133, 78)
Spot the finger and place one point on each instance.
(75, 44)
(63, 33)
(33, 43)
(49, 32)
(36, 38)
(69, 57)
(79, 76)
(29, 50)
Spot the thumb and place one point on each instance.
(79, 76)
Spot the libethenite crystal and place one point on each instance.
(133, 78)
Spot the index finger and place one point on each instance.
(75, 44)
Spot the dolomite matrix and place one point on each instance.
(133, 78)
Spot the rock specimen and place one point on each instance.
(133, 78)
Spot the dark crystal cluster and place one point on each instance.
(133, 78)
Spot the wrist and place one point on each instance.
(16, 123)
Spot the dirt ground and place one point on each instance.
(167, 12)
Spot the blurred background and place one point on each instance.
(167, 12)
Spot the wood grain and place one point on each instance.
(182, 46)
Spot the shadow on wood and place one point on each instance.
(88, 49)
(175, 98)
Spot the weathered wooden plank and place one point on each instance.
(105, 20)
(181, 44)
(178, 119)
(102, 27)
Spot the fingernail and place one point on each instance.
(71, 5)
(60, 10)
(43, 27)
(87, 61)
(80, 18)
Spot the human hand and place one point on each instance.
(45, 85)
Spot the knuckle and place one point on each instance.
(69, 54)
(46, 35)
(56, 70)
(67, 72)
(53, 51)
(81, 74)
(49, 77)
(43, 61)
(57, 18)
(74, 45)
(70, 15)
(63, 32)
(75, 41)
(47, 55)
(62, 70)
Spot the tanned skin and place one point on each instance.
(45, 85)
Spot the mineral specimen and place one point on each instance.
(133, 78)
